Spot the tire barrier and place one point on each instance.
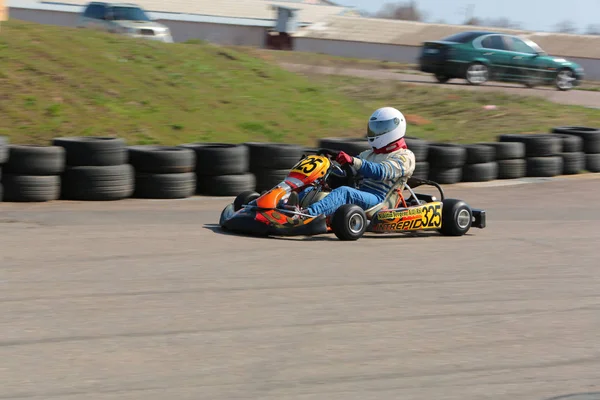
(103, 168)
(271, 162)
(32, 173)
(590, 146)
(96, 169)
(163, 172)
(542, 153)
(222, 169)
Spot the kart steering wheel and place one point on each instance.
(351, 173)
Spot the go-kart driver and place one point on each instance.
(388, 161)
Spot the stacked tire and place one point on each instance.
(3, 159)
(542, 153)
(420, 149)
(480, 164)
(163, 172)
(572, 154)
(222, 169)
(96, 169)
(446, 162)
(32, 173)
(590, 146)
(271, 162)
(510, 158)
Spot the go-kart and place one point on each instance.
(267, 214)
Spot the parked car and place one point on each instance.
(480, 57)
(126, 19)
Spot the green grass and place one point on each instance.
(440, 114)
(65, 82)
(57, 81)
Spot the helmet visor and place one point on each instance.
(378, 128)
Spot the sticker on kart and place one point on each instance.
(312, 165)
(428, 216)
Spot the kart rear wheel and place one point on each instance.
(349, 222)
(457, 218)
(244, 198)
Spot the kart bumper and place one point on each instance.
(478, 218)
(245, 222)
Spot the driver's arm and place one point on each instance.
(393, 168)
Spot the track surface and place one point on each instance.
(141, 300)
(572, 97)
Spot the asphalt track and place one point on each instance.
(573, 97)
(142, 299)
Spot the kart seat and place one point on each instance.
(390, 201)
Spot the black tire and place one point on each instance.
(3, 149)
(244, 198)
(31, 188)
(164, 186)
(479, 154)
(441, 78)
(507, 150)
(35, 160)
(273, 155)
(545, 167)
(570, 143)
(419, 147)
(98, 183)
(343, 222)
(225, 185)
(214, 159)
(445, 176)
(162, 159)
(536, 145)
(483, 172)
(1, 192)
(512, 169)
(93, 151)
(351, 146)
(573, 163)
(590, 136)
(457, 218)
(421, 170)
(267, 178)
(446, 155)
(592, 162)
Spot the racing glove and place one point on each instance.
(344, 158)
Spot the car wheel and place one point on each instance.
(477, 74)
(244, 198)
(564, 79)
(457, 218)
(349, 222)
(442, 78)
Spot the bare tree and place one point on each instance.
(494, 22)
(565, 27)
(593, 29)
(403, 11)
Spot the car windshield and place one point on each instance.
(128, 14)
(534, 46)
(461, 37)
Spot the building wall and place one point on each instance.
(217, 33)
(3, 11)
(181, 30)
(398, 53)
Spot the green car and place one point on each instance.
(480, 57)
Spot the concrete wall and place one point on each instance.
(397, 53)
(3, 11)
(217, 33)
(181, 30)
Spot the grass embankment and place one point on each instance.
(64, 82)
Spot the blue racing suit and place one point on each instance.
(380, 171)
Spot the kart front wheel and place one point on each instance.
(244, 198)
(457, 218)
(349, 222)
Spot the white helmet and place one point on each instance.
(386, 125)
